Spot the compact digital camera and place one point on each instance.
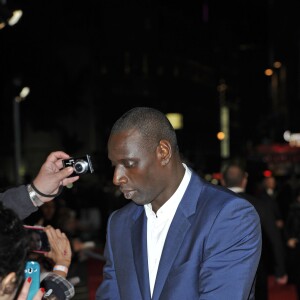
(81, 165)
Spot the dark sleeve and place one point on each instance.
(18, 200)
(275, 240)
(292, 226)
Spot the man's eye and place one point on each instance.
(129, 165)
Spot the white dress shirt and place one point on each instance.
(158, 226)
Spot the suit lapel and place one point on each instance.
(172, 246)
(177, 232)
(139, 248)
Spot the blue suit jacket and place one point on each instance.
(211, 251)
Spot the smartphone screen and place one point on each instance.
(38, 240)
(32, 269)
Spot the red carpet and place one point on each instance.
(281, 292)
(276, 292)
(94, 276)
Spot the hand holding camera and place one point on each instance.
(81, 165)
(52, 177)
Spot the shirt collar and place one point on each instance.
(237, 189)
(170, 206)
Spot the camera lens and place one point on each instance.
(80, 166)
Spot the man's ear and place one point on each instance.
(244, 182)
(164, 152)
(8, 284)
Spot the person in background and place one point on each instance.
(292, 234)
(47, 185)
(45, 215)
(35, 240)
(268, 193)
(235, 178)
(13, 252)
(180, 237)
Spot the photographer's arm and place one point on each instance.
(24, 200)
(18, 200)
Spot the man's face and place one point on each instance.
(137, 169)
(35, 241)
(270, 182)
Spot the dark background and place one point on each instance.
(87, 62)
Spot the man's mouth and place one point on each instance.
(128, 194)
